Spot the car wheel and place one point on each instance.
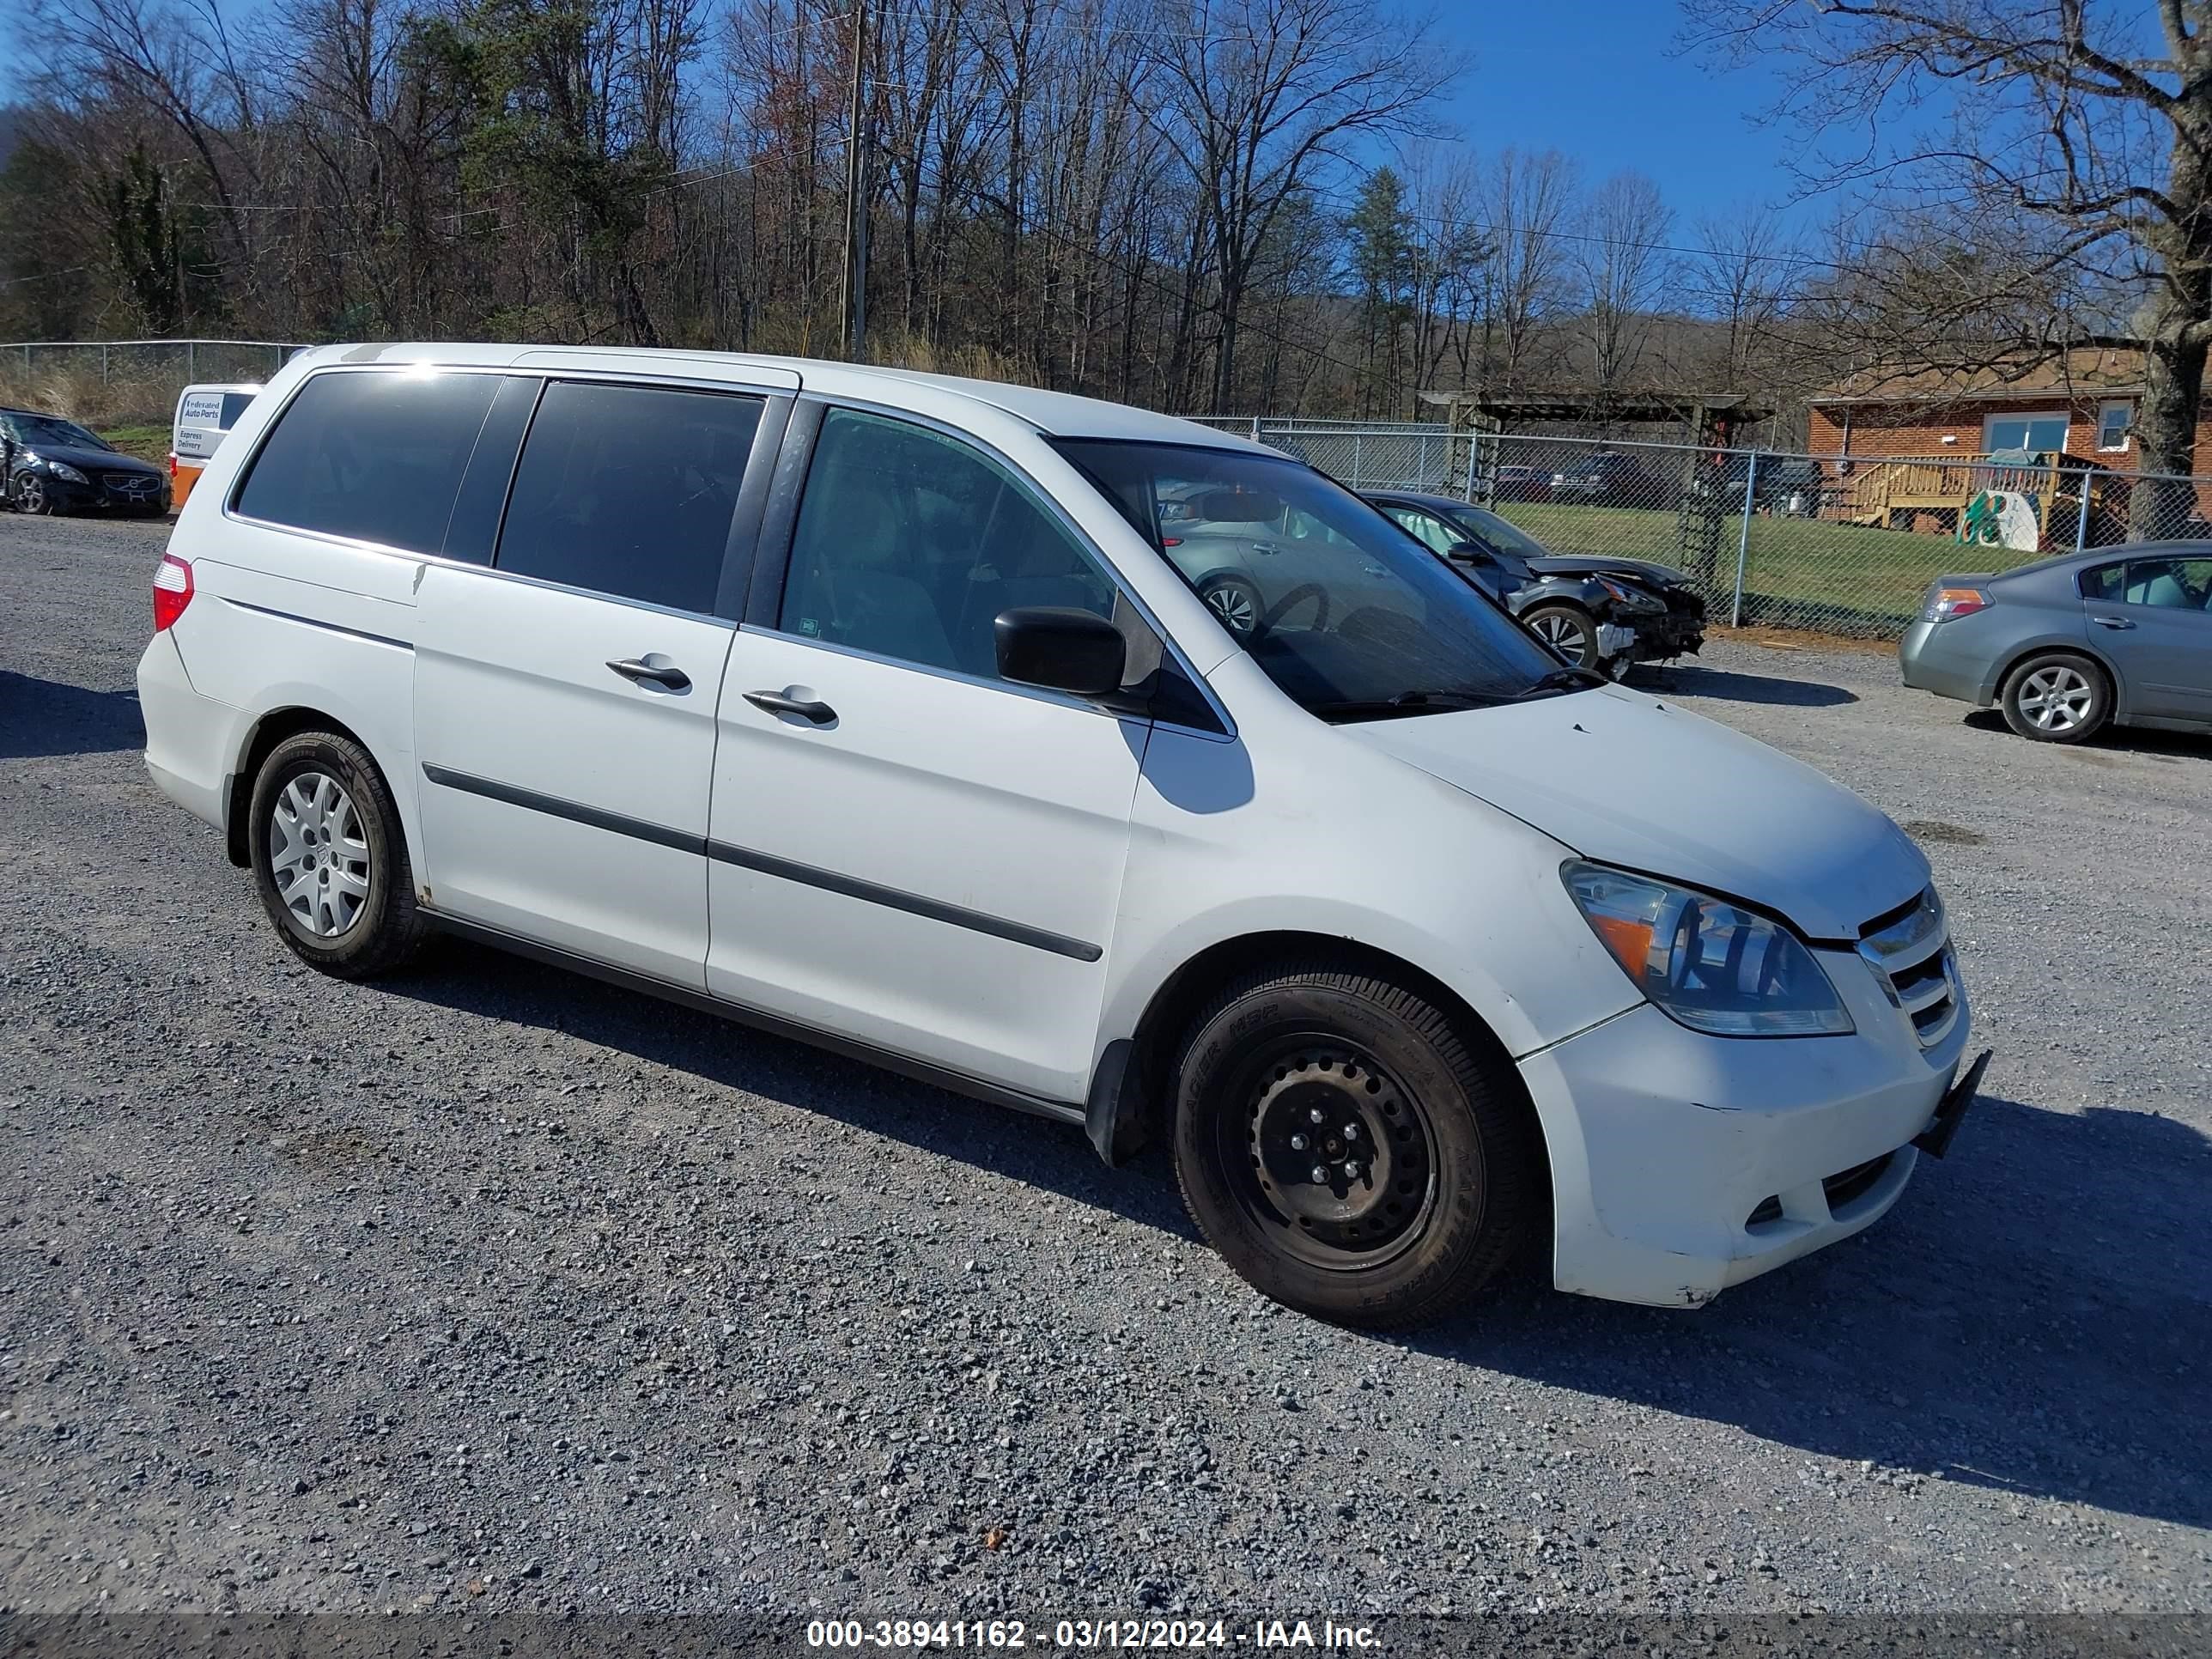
(1346, 1151)
(1567, 630)
(2058, 696)
(1236, 602)
(31, 494)
(329, 858)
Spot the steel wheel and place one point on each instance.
(1336, 1160)
(318, 856)
(1238, 606)
(2057, 699)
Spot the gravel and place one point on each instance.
(490, 1287)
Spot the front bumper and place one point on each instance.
(1683, 1163)
(103, 494)
(1657, 637)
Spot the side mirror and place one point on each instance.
(1060, 649)
(1471, 552)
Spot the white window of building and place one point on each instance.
(2113, 420)
(2041, 432)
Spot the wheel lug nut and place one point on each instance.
(1297, 1143)
(1352, 1172)
(1316, 1115)
(1319, 1176)
(1351, 1132)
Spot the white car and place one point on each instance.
(863, 706)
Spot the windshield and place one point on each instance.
(52, 430)
(1504, 537)
(1349, 614)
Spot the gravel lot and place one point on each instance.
(492, 1287)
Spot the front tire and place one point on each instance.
(2057, 696)
(1568, 629)
(1235, 602)
(1346, 1151)
(329, 860)
(33, 497)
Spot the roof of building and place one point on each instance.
(2084, 372)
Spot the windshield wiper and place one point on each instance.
(1567, 679)
(1409, 702)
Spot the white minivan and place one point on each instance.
(863, 706)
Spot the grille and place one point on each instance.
(1910, 948)
(136, 485)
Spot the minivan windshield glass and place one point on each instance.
(54, 431)
(1344, 610)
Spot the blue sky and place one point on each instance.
(1596, 80)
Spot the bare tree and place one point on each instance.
(1623, 262)
(1526, 276)
(2071, 141)
(1742, 273)
(1263, 97)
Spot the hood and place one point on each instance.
(89, 460)
(1578, 564)
(1641, 782)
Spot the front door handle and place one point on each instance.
(663, 674)
(2112, 621)
(809, 709)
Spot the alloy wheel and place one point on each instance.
(2057, 699)
(318, 854)
(1561, 633)
(1233, 605)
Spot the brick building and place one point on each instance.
(2081, 405)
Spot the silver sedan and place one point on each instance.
(2123, 635)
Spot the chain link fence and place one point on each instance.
(127, 380)
(1835, 544)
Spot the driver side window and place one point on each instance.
(910, 543)
(1426, 528)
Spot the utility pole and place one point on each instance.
(856, 178)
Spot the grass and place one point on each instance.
(148, 443)
(1797, 572)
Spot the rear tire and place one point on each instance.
(1235, 604)
(2057, 696)
(1568, 629)
(1438, 1182)
(329, 860)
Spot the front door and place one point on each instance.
(905, 849)
(565, 699)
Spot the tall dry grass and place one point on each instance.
(80, 394)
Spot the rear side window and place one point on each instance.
(377, 457)
(629, 491)
(234, 405)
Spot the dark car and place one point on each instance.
(1608, 478)
(2121, 635)
(1520, 483)
(1596, 612)
(1784, 486)
(48, 464)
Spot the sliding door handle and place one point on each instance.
(642, 669)
(807, 708)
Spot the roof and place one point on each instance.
(1056, 414)
(2084, 372)
(1576, 403)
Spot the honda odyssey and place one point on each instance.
(867, 706)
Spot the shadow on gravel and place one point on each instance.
(47, 717)
(1682, 680)
(1054, 1156)
(2171, 747)
(2032, 1317)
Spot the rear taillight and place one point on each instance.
(1949, 603)
(172, 466)
(172, 591)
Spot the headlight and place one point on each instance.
(1711, 966)
(63, 470)
(1629, 597)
